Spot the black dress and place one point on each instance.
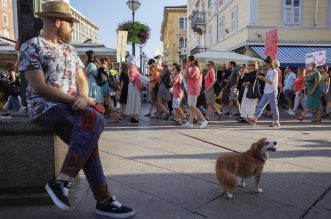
(124, 77)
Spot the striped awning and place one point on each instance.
(294, 55)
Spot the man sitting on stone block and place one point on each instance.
(57, 96)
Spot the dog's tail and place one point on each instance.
(227, 179)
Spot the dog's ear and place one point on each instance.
(257, 146)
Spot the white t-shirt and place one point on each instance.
(272, 75)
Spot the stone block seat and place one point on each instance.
(30, 155)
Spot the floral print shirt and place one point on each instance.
(59, 64)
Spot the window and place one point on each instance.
(5, 19)
(210, 3)
(181, 42)
(4, 3)
(292, 13)
(221, 29)
(183, 23)
(210, 36)
(234, 20)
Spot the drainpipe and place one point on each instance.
(316, 12)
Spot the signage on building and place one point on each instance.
(318, 57)
(271, 43)
(122, 41)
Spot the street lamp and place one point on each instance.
(133, 5)
(141, 57)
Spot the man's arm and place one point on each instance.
(36, 80)
(81, 83)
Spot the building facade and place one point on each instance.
(85, 30)
(240, 25)
(6, 19)
(174, 33)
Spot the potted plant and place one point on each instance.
(138, 33)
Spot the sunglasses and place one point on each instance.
(70, 22)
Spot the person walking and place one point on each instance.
(178, 94)
(299, 91)
(133, 106)
(57, 97)
(124, 84)
(289, 88)
(269, 95)
(194, 82)
(210, 80)
(95, 91)
(163, 95)
(14, 102)
(313, 93)
(248, 104)
(233, 97)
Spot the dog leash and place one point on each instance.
(199, 139)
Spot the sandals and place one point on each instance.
(178, 123)
(274, 125)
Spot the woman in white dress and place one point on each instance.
(133, 106)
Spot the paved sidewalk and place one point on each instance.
(163, 173)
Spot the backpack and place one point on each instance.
(102, 76)
(166, 79)
(113, 82)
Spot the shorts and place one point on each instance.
(289, 94)
(233, 93)
(210, 96)
(192, 100)
(154, 95)
(176, 102)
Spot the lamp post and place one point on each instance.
(141, 56)
(133, 5)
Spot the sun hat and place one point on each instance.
(130, 59)
(56, 9)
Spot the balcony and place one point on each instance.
(198, 22)
(198, 49)
(182, 50)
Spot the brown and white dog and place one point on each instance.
(243, 165)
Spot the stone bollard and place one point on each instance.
(30, 156)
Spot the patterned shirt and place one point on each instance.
(59, 64)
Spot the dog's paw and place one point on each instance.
(229, 196)
(242, 184)
(259, 190)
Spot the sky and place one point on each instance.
(107, 14)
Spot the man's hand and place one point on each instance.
(80, 103)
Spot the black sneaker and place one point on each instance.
(228, 114)
(113, 208)
(58, 190)
(237, 114)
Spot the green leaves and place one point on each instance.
(137, 32)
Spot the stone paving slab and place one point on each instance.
(248, 206)
(173, 175)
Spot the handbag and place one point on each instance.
(14, 90)
(253, 92)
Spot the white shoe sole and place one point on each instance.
(56, 201)
(114, 215)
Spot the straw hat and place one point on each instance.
(56, 9)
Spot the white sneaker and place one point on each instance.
(289, 110)
(292, 113)
(187, 125)
(204, 124)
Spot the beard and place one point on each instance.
(64, 35)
